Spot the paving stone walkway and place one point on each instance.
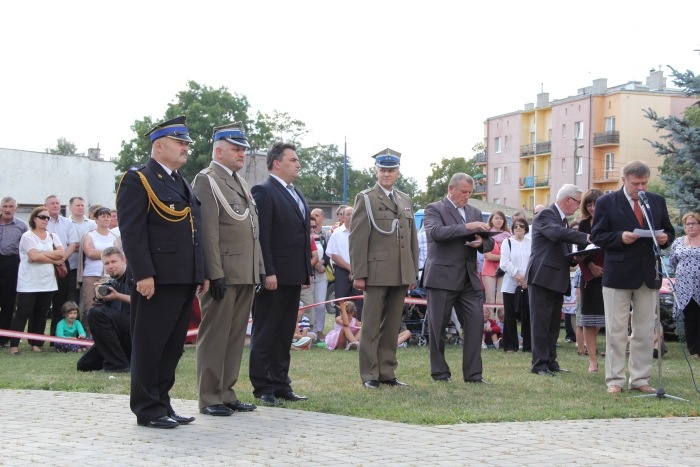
(61, 428)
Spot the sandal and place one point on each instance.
(36, 349)
(14, 350)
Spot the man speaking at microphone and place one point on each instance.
(631, 274)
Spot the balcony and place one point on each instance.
(609, 138)
(539, 181)
(479, 188)
(481, 157)
(606, 175)
(544, 147)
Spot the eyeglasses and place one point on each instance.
(518, 226)
(578, 201)
(691, 224)
(43, 218)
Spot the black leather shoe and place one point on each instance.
(560, 370)
(393, 382)
(542, 372)
(160, 422)
(180, 419)
(218, 410)
(291, 396)
(269, 399)
(481, 381)
(239, 406)
(371, 384)
(444, 379)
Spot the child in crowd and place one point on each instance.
(500, 314)
(304, 338)
(69, 328)
(492, 332)
(347, 329)
(404, 335)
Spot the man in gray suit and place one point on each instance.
(548, 277)
(234, 266)
(452, 228)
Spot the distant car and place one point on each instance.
(485, 216)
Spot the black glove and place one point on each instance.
(217, 288)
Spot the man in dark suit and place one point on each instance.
(285, 244)
(234, 267)
(631, 274)
(451, 278)
(160, 227)
(384, 260)
(548, 277)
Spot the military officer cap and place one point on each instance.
(233, 133)
(387, 159)
(175, 129)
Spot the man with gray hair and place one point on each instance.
(631, 274)
(547, 276)
(11, 230)
(453, 229)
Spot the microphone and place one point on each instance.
(645, 200)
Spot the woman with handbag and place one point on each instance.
(93, 244)
(515, 253)
(39, 251)
(491, 276)
(592, 306)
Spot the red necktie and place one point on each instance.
(638, 212)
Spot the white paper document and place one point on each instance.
(647, 233)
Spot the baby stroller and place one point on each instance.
(415, 319)
(415, 316)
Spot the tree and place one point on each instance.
(63, 147)
(321, 175)
(280, 126)
(680, 170)
(438, 180)
(205, 108)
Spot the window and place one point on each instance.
(578, 161)
(578, 130)
(497, 145)
(609, 165)
(505, 174)
(497, 176)
(610, 124)
(498, 201)
(563, 130)
(505, 143)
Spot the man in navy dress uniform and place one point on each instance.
(160, 227)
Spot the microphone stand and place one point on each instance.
(646, 211)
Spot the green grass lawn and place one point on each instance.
(331, 380)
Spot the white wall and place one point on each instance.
(31, 176)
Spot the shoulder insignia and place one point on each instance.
(364, 192)
(137, 168)
(402, 193)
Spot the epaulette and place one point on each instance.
(364, 192)
(402, 193)
(137, 168)
(206, 170)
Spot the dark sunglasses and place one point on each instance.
(518, 226)
(43, 218)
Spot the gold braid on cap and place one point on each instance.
(165, 212)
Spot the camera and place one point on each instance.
(102, 289)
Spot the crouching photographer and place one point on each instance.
(109, 318)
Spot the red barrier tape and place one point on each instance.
(190, 333)
(45, 338)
